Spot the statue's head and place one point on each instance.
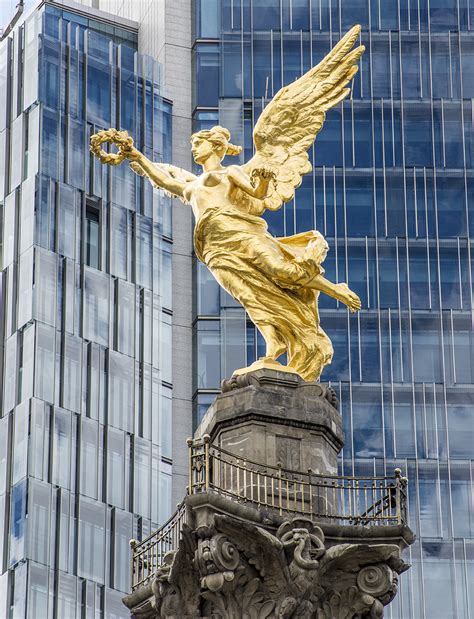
(212, 141)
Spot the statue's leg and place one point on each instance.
(275, 346)
(285, 272)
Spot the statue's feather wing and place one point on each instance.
(290, 123)
(177, 173)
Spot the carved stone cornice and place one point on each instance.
(230, 566)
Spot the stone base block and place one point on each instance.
(276, 418)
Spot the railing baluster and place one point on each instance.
(368, 501)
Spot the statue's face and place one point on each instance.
(201, 149)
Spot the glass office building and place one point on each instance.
(392, 191)
(85, 316)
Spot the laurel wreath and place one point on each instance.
(111, 136)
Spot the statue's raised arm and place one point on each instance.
(278, 281)
(167, 177)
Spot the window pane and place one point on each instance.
(62, 442)
(92, 248)
(17, 522)
(142, 473)
(66, 213)
(46, 266)
(96, 307)
(45, 357)
(39, 521)
(89, 457)
(91, 540)
(115, 467)
(121, 391)
(72, 366)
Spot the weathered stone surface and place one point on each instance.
(239, 557)
(276, 418)
(234, 562)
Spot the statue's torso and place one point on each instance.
(209, 190)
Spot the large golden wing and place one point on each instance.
(290, 123)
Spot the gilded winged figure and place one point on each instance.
(277, 280)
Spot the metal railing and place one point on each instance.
(368, 501)
(339, 499)
(148, 555)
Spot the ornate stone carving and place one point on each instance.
(229, 568)
(239, 381)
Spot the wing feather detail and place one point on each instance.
(290, 123)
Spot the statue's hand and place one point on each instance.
(349, 298)
(264, 174)
(131, 153)
(126, 149)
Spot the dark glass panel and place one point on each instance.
(49, 69)
(427, 358)
(208, 349)
(451, 206)
(328, 146)
(418, 137)
(207, 73)
(266, 15)
(443, 15)
(440, 66)
(452, 133)
(359, 196)
(367, 424)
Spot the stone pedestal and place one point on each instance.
(278, 419)
(258, 536)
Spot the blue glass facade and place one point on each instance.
(85, 317)
(392, 191)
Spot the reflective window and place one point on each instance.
(166, 420)
(71, 378)
(92, 237)
(44, 367)
(45, 286)
(119, 250)
(96, 306)
(166, 275)
(91, 540)
(115, 467)
(17, 522)
(39, 521)
(142, 477)
(208, 351)
(66, 596)
(123, 531)
(207, 76)
(89, 450)
(121, 391)
(98, 79)
(62, 444)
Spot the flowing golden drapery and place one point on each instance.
(269, 277)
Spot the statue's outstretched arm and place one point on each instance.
(157, 175)
(341, 292)
(256, 185)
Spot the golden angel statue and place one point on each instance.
(277, 280)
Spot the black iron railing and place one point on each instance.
(367, 501)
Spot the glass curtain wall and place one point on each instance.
(85, 427)
(392, 191)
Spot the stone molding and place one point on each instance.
(227, 567)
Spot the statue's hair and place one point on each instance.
(219, 136)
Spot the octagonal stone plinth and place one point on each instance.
(277, 418)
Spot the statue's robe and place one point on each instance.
(269, 276)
